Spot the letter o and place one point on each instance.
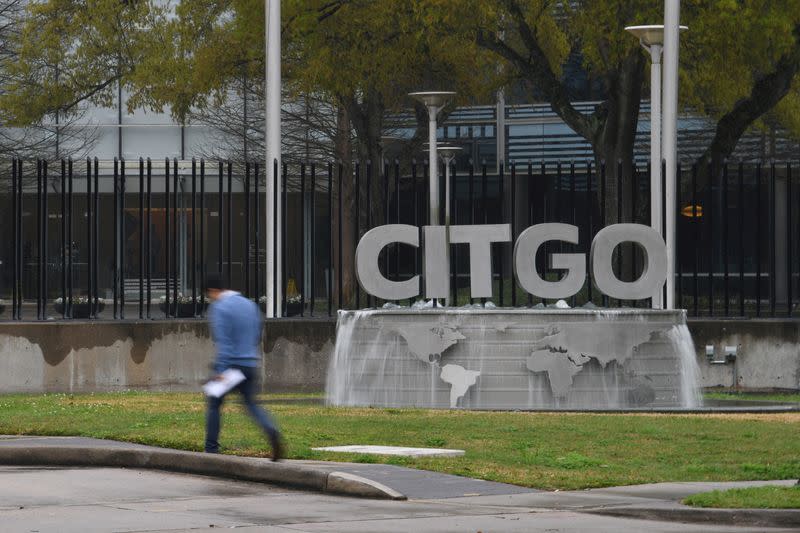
(654, 273)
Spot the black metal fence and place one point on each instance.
(117, 239)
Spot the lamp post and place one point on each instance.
(434, 101)
(447, 153)
(651, 38)
(672, 9)
(272, 10)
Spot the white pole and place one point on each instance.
(447, 161)
(670, 133)
(656, 194)
(434, 167)
(272, 9)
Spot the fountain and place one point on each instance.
(483, 357)
(513, 359)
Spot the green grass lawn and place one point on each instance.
(763, 397)
(748, 498)
(542, 450)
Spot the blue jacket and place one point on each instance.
(236, 328)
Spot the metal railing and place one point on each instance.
(114, 239)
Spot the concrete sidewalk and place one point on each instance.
(656, 502)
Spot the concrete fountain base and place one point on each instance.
(513, 359)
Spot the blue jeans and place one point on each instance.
(247, 389)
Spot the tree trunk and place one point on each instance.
(344, 251)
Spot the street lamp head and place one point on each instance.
(447, 152)
(432, 98)
(650, 35)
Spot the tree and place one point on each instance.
(740, 68)
(755, 40)
(50, 135)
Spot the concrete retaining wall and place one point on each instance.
(768, 353)
(102, 356)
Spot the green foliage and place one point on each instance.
(72, 51)
(732, 44)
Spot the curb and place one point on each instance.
(774, 518)
(223, 466)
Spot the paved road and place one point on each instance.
(64, 500)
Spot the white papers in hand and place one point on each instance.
(229, 379)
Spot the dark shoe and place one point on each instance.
(277, 447)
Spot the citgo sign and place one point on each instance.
(436, 241)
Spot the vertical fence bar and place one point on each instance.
(513, 232)
(89, 243)
(275, 224)
(740, 184)
(45, 219)
(284, 201)
(677, 208)
(302, 276)
(758, 239)
(96, 234)
(257, 233)
(589, 210)
(229, 225)
(220, 217)
(484, 212)
(122, 242)
(167, 239)
(20, 265)
(39, 239)
(634, 194)
(70, 239)
(545, 203)
(471, 208)
(64, 246)
(149, 243)
(725, 213)
(789, 239)
(649, 216)
(15, 218)
(191, 259)
(695, 289)
(772, 243)
(175, 243)
(386, 207)
(501, 194)
(202, 243)
(454, 261)
(115, 276)
(531, 198)
(247, 229)
(619, 218)
(356, 227)
(330, 240)
(572, 210)
(710, 217)
(312, 257)
(397, 217)
(369, 220)
(340, 273)
(417, 256)
(141, 238)
(604, 299)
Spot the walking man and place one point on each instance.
(236, 328)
